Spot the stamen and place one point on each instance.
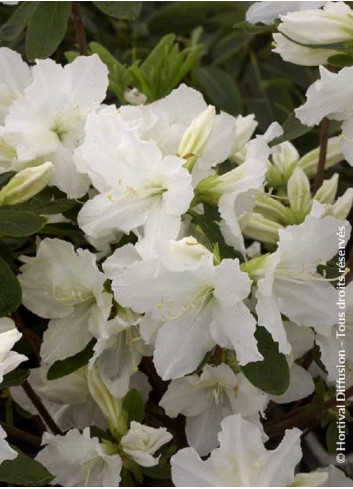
(198, 299)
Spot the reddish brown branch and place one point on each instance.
(324, 134)
(79, 28)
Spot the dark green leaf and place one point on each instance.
(340, 60)
(221, 89)
(292, 129)
(65, 229)
(18, 21)
(60, 368)
(24, 471)
(6, 177)
(10, 290)
(46, 29)
(120, 10)
(56, 206)
(134, 406)
(14, 378)
(332, 436)
(271, 374)
(18, 223)
(158, 472)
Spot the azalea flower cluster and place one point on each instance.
(154, 285)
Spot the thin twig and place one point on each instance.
(324, 134)
(42, 410)
(21, 435)
(79, 28)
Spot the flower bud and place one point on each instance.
(327, 192)
(196, 136)
(244, 129)
(256, 226)
(110, 406)
(134, 97)
(300, 55)
(341, 208)
(299, 194)
(26, 183)
(309, 162)
(271, 208)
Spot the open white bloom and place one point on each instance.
(196, 303)
(241, 460)
(6, 452)
(331, 96)
(184, 115)
(15, 76)
(9, 335)
(140, 190)
(77, 460)
(141, 442)
(267, 12)
(288, 282)
(207, 399)
(65, 286)
(48, 125)
(341, 337)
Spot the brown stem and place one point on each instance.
(302, 417)
(79, 28)
(324, 133)
(42, 410)
(31, 338)
(21, 435)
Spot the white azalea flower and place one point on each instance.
(65, 286)
(330, 97)
(77, 460)
(6, 452)
(169, 120)
(141, 442)
(9, 335)
(241, 460)
(331, 345)
(208, 399)
(15, 76)
(140, 191)
(336, 477)
(267, 12)
(46, 124)
(196, 303)
(289, 284)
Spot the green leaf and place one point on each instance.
(14, 378)
(67, 230)
(158, 472)
(134, 406)
(10, 290)
(292, 129)
(340, 60)
(17, 223)
(221, 89)
(120, 10)
(332, 436)
(60, 368)
(24, 471)
(56, 206)
(46, 29)
(6, 177)
(271, 374)
(18, 21)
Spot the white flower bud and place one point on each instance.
(299, 194)
(327, 192)
(341, 208)
(244, 129)
(309, 161)
(196, 136)
(134, 96)
(256, 226)
(26, 183)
